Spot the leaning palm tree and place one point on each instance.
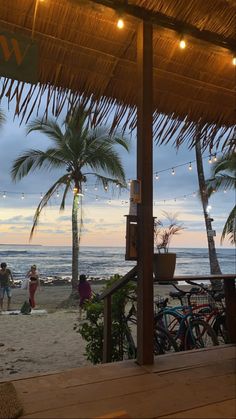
(79, 151)
(223, 177)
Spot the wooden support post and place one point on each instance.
(230, 307)
(144, 209)
(107, 330)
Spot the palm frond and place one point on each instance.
(31, 160)
(230, 228)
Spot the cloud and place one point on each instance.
(17, 220)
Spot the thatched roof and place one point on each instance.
(83, 52)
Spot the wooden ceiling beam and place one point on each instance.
(160, 19)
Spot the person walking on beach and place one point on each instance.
(6, 280)
(85, 291)
(34, 283)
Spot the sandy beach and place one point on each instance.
(42, 343)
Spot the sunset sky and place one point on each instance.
(104, 221)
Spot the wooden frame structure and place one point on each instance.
(182, 114)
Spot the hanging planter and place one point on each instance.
(164, 266)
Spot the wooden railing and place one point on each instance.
(230, 303)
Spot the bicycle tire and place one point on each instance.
(173, 323)
(220, 329)
(164, 342)
(199, 334)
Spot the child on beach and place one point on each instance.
(6, 280)
(85, 292)
(34, 283)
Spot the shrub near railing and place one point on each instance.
(91, 329)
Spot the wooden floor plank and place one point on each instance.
(183, 382)
(221, 410)
(146, 393)
(189, 359)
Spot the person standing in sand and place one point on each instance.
(85, 292)
(6, 280)
(34, 283)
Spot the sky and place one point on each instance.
(104, 217)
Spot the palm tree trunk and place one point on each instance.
(214, 264)
(75, 244)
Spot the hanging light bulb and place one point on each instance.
(234, 60)
(117, 185)
(22, 196)
(95, 188)
(106, 187)
(4, 195)
(190, 166)
(173, 171)
(208, 208)
(96, 198)
(182, 43)
(157, 176)
(58, 194)
(129, 182)
(75, 191)
(210, 159)
(120, 23)
(225, 191)
(215, 158)
(41, 195)
(194, 194)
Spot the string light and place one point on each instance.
(210, 159)
(157, 176)
(190, 166)
(234, 61)
(4, 195)
(58, 194)
(41, 195)
(225, 191)
(22, 196)
(120, 23)
(182, 43)
(173, 171)
(215, 157)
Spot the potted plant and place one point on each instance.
(163, 261)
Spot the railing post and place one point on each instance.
(107, 330)
(230, 307)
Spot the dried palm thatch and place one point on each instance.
(84, 57)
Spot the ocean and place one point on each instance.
(102, 262)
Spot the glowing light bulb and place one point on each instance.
(173, 171)
(105, 187)
(96, 198)
(190, 166)
(182, 44)
(215, 158)
(234, 61)
(58, 194)
(210, 160)
(75, 191)
(4, 195)
(95, 188)
(23, 196)
(225, 191)
(209, 207)
(41, 195)
(117, 185)
(120, 23)
(157, 176)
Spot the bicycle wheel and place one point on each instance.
(199, 334)
(174, 326)
(163, 342)
(220, 329)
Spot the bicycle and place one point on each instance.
(163, 342)
(186, 327)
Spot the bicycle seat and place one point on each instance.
(176, 294)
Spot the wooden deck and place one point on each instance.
(194, 384)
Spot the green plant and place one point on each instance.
(165, 230)
(92, 329)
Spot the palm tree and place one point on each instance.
(223, 177)
(80, 151)
(214, 264)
